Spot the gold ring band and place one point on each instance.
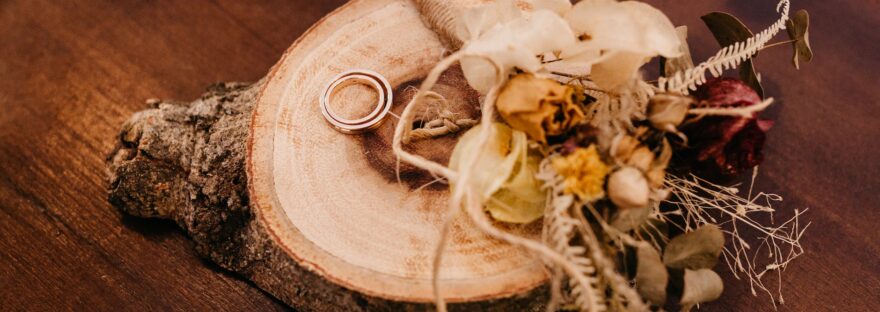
(372, 120)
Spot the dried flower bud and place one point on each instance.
(667, 110)
(628, 188)
(657, 174)
(539, 107)
(623, 147)
(629, 151)
(641, 158)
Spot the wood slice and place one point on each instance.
(332, 201)
(266, 188)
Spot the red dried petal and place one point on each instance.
(727, 146)
(720, 92)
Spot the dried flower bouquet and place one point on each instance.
(617, 168)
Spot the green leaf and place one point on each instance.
(748, 75)
(695, 250)
(651, 275)
(799, 31)
(628, 219)
(702, 285)
(729, 30)
(684, 62)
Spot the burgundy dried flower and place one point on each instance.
(727, 146)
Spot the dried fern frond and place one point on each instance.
(727, 58)
(560, 228)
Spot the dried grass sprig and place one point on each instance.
(445, 123)
(744, 112)
(702, 202)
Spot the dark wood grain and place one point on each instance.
(72, 71)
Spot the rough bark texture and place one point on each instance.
(185, 162)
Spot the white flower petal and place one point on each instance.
(624, 26)
(543, 32)
(556, 6)
(617, 69)
(658, 32)
(516, 44)
(475, 21)
(479, 73)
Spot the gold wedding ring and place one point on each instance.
(371, 121)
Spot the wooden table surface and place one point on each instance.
(72, 71)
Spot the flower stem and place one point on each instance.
(777, 44)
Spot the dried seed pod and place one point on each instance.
(657, 174)
(667, 110)
(628, 188)
(641, 158)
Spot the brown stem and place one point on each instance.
(778, 44)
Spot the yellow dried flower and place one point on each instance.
(504, 174)
(539, 107)
(584, 173)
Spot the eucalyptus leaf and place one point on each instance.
(695, 250)
(749, 75)
(799, 31)
(702, 285)
(729, 30)
(651, 275)
(628, 219)
(670, 66)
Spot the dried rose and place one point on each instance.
(504, 174)
(539, 107)
(727, 146)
